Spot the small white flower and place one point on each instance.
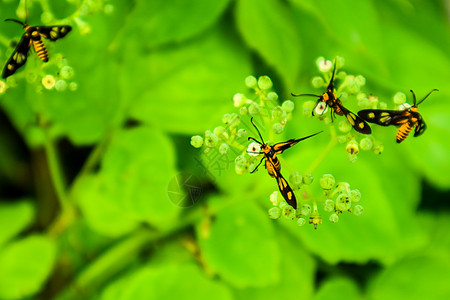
(274, 198)
(324, 65)
(2, 87)
(254, 149)
(238, 99)
(321, 108)
(404, 106)
(399, 98)
(48, 82)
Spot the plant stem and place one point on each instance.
(67, 215)
(324, 153)
(93, 159)
(55, 171)
(109, 264)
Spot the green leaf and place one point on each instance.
(14, 217)
(426, 58)
(188, 88)
(158, 22)
(338, 288)
(268, 27)
(424, 277)
(25, 265)
(135, 171)
(428, 153)
(436, 225)
(331, 27)
(249, 255)
(292, 281)
(169, 281)
(99, 210)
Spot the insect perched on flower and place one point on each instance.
(272, 165)
(406, 119)
(33, 36)
(330, 99)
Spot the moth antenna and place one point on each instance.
(433, 90)
(251, 120)
(414, 97)
(298, 95)
(17, 21)
(332, 76)
(253, 139)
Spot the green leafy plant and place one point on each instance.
(265, 109)
(102, 196)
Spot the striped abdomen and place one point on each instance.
(272, 165)
(403, 131)
(41, 50)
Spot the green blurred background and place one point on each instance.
(86, 172)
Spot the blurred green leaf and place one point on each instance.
(158, 22)
(436, 225)
(297, 273)
(406, 67)
(338, 288)
(99, 209)
(132, 182)
(429, 152)
(240, 246)
(424, 277)
(25, 265)
(268, 28)
(188, 88)
(169, 281)
(339, 30)
(14, 217)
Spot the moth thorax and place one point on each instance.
(265, 148)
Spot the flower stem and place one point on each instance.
(55, 172)
(109, 264)
(67, 215)
(325, 152)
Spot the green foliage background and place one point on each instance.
(152, 73)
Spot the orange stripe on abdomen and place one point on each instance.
(41, 50)
(403, 132)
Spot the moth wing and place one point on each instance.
(357, 122)
(420, 127)
(384, 117)
(18, 57)
(280, 147)
(286, 190)
(54, 33)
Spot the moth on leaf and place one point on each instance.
(33, 37)
(273, 165)
(406, 119)
(330, 99)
